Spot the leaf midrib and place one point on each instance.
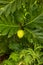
(4, 25)
(34, 19)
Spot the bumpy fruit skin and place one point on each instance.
(20, 33)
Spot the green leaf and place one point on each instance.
(7, 62)
(8, 27)
(36, 27)
(14, 56)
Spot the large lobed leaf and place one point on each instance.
(8, 26)
(36, 27)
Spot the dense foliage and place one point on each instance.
(26, 15)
